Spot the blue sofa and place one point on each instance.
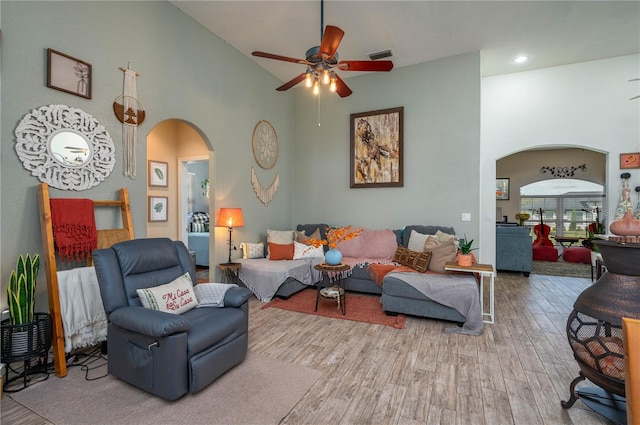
(513, 249)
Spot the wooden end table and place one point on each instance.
(336, 292)
(484, 270)
(230, 272)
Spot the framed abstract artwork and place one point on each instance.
(158, 174)
(68, 74)
(376, 148)
(502, 189)
(629, 160)
(158, 208)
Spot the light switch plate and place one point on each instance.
(466, 216)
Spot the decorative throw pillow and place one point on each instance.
(174, 297)
(301, 250)
(444, 237)
(252, 250)
(302, 237)
(417, 241)
(418, 261)
(280, 252)
(441, 254)
(281, 237)
(212, 294)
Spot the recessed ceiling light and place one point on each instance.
(521, 59)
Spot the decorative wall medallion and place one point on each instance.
(264, 143)
(563, 172)
(264, 194)
(65, 147)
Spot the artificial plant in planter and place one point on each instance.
(465, 256)
(21, 292)
(21, 334)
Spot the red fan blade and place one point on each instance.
(379, 66)
(287, 86)
(278, 57)
(341, 87)
(330, 41)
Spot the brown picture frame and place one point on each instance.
(629, 160)
(158, 173)
(68, 74)
(158, 206)
(376, 148)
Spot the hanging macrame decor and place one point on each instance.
(130, 112)
(266, 148)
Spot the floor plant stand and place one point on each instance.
(24, 343)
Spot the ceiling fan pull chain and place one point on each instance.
(318, 109)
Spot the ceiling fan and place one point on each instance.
(320, 61)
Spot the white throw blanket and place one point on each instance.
(83, 318)
(459, 292)
(212, 294)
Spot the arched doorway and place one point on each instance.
(179, 144)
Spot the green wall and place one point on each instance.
(185, 73)
(441, 101)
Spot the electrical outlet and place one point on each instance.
(466, 216)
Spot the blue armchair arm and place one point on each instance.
(149, 322)
(235, 297)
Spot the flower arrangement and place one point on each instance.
(335, 235)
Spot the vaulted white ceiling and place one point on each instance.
(550, 33)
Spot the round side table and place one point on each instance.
(230, 272)
(335, 293)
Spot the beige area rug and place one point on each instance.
(260, 390)
(561, 268)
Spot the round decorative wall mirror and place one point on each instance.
(65, 147)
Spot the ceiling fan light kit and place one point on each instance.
(320, 61)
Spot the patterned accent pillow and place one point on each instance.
(418, 261)
(199, 227)
(200, 217)
(301, 250)
(174, 297)
(252, 250)
(280, 252)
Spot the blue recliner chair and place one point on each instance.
(166, 354)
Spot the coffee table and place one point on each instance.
(335, 293)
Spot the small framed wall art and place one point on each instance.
(158, 208)
(68, 74)
(376, 148)
(502, 189)
(629, 160)
(158, 174)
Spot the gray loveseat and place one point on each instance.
(166, 354)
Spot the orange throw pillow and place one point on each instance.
(280, 252)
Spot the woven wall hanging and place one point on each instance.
(266, 149)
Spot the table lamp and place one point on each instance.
(230, 217)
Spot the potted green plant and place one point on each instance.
(465, 257)
(21, 296)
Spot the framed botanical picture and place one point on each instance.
(68, 74)
(376, 148)
(158, 208)
(629, 160)
(502, 189)
(158, 173)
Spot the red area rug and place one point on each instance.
(359, 308)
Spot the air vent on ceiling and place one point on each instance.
(380, 55)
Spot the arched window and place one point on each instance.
(568, 205)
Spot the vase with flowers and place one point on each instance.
(334, 235)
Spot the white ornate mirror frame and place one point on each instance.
(65, 147)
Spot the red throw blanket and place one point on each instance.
(379, 271)
(74, 228)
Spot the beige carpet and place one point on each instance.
(260, 390)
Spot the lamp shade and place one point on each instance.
(230, 217)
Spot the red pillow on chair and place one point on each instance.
(280, 252)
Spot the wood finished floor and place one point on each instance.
(517, 372)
